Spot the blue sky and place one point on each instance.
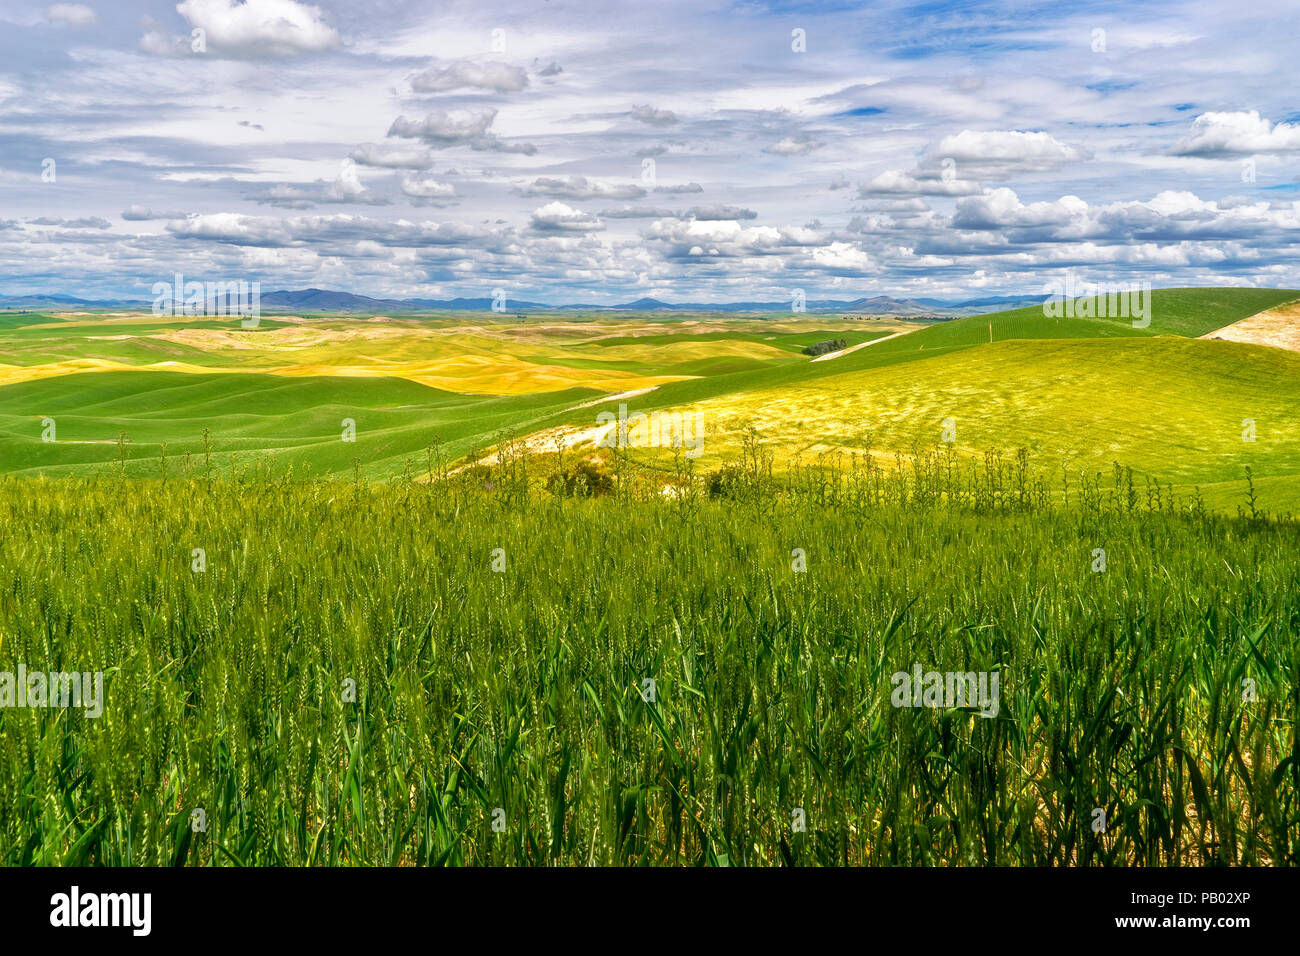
(689, 151)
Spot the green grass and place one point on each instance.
(1221, 307)
(521, 690)
(281, 421)
(1087, 391)
(1170, 408)
(1185, 312)
(1146, 397)
(228, 690)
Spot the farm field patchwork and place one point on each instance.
(282, 389)
(1077, 393)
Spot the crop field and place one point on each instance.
(434, 673)
(376, 590)
(861, 438)
(123, 386)
(1171, 401)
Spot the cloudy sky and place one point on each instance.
(693, 151)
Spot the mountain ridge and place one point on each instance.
(330, 300)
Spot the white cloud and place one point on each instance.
(392, 157)
(137, 213)
(1170, 216)
(1229, 135)
(466, 74)
(895, 182)
(272, 231)
(71, 14)
(795, 146)
(1085, 151)
(252, 29)
(558, 217)
(718, 213)
(1004, 151)
(652, 116)
(999, 208)
(444, 128)
(85, 222)
(348, 186)
(427, 188)
(842, 258)
(637, 212)
(579, 188)
(729, 238)
(345, 188)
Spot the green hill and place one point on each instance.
(1086, 390)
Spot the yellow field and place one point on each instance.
(1169, 407)
(450, 354)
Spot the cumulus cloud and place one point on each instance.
(895, 182)
(1230, 135)
(652, 116)
(349, 188)
(558, 217)
(289, 197)
(252, 29)
(272, 231)
(427, 188)
(346, 188)
(137, 213)
(912, 224)
(842, 259)
(795, 145)
(1169, 216)
(1000, 208)
(71, 15)
(466, 74)
(729, 239)
(637, 212)
(914, 204)
(985, 155)
(85, 222)
(718, 213)
(957, 163)
(392, 157)
(579, 188)
(445, 128)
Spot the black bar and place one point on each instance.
(218, 905)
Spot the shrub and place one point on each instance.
(583, 479)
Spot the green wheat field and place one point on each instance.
(461, 632)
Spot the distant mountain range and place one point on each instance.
(325, 300)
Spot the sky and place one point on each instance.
(688, 151)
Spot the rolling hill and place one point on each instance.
(1085, 392)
